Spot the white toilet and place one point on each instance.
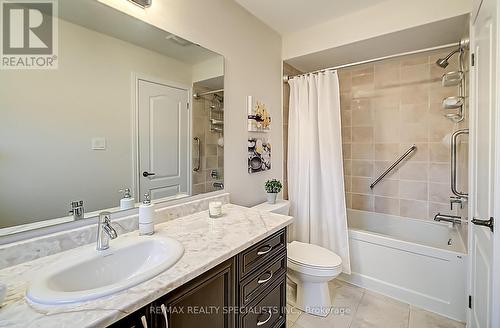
(311, 267)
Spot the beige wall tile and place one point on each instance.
(346, 134)
(439, 192)
(346, 118)
(387, 74)
(384, 118)
(362, 117)
(414, 171)
(346, 151)
(440, 172)
(387, 205)
(413, 208)
(347, 167)
(440, 128)
(361, 185)
(435, 208)
(386, 187)
(344, 80)
(415, 73)
(361, 104)
(421, 154)
(348, 200)
(414, 132)
(362, 151)
(348, 183)
(439, 152)
(362, 134)
(413, 190)
(345, 101)
(414, 94)
(386, 151)
(362, 168)
(362, 202)
(412, 114)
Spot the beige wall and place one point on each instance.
(368, 23)
(252, 54)
(386, 107)
(52, 115)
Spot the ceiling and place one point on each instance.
(101, 18)
(287, 16)
(447, 31)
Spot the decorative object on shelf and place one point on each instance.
(273, 187)
(259, 119)
(259, 155)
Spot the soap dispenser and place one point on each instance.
(146, 216)
(127, 202)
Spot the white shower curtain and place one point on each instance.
(315, 167)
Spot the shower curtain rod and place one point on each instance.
(197, 95)
(286, 78)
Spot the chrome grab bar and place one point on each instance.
(390, 168)
(197, 167)
(454, 138)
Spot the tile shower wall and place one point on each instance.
(386, 107)
(287, 70)
(211, 155)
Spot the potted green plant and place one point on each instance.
(273, 187)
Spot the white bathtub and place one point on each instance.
(410, 260)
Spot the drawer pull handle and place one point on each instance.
(164, 311)
(270, 314)
(144, 322)
(262, 252)
(263, 281)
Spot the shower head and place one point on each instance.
(443, 62)
(462, 45)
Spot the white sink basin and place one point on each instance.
(91, 274)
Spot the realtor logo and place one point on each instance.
(28, 34)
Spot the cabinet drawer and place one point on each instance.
(256, 283)
(268, 311)
(256, 255)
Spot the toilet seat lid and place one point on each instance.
(312, 255)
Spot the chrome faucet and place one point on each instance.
(448, 218)
(218, 185)
(104, 231)
(77, 210)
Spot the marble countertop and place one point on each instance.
(207, 242)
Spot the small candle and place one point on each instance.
(215, 209)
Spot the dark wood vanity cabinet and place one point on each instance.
(248, 290)
(201, 302)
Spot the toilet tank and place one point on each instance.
(281, 207)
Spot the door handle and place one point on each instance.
(147, 174)
(485, 223)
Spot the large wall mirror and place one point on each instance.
(130, 106)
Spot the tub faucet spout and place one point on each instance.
(448, 218)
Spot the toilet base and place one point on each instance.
(312, 297)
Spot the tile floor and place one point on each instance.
(355, 307)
